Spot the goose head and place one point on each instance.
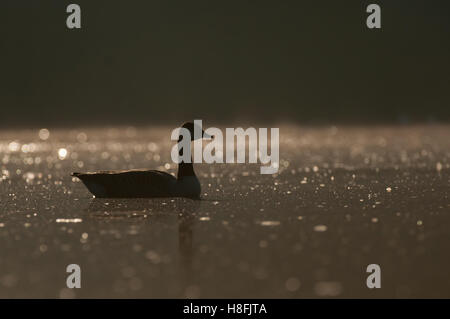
(192, 127)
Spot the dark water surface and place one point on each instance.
(344, 198)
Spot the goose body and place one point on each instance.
(144, 183)
(139, 184)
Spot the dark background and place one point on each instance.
(162, 61)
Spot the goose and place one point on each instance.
(145, 183)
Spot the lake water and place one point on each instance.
(345, 197)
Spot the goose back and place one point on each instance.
(129, 184)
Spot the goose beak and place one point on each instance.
(206, 135)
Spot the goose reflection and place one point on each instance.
(186, 221)
(186, 209)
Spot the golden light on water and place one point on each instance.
(44, 134)
(329, 188)
(62, 153)
(69, 220)
(269, 223)
(14, 146)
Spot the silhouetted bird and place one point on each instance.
(145, 183)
